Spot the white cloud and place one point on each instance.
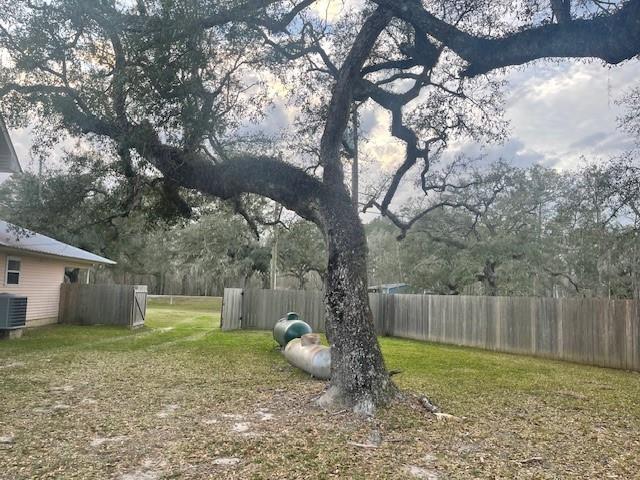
(381, 148)
(333, 10)
(560, 113)
(568, 110)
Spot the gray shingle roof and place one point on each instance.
(29, 241)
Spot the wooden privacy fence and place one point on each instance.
(82, 304)
(593, 331)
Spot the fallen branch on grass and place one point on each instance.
(532, 460)
(362, 445)
(426, 403)
(446, 416)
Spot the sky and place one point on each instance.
(559, 113)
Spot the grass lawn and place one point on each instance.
(181, 399)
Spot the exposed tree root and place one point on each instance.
(335, 399)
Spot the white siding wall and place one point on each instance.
(40, 280)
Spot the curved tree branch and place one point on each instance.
(342, 96)
(264, 176)
(611, 37)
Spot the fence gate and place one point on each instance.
(82, 304)
(139, 305)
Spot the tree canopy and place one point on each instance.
(161, 90)
(544, 233)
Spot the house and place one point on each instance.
(34, 265)
(390, 288)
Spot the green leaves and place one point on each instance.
(545, 234)
(301, 250)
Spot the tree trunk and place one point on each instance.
(157, 277)
(72, 274)
(301, 281)
(490, 279)
(183, 286)
(359, 379)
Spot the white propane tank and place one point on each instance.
(307, 354)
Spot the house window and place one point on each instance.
(13, 270)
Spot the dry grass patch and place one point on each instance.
(180, 399)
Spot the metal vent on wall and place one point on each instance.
(13, 311)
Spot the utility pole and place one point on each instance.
(40, 178)
(277, 211)
(274, 260)
(354, 164)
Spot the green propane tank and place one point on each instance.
(288, 328)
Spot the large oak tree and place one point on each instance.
(160, 84)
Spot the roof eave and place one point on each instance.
(26, 251)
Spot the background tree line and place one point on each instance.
(535, 232)
(214, 249)
(531, 232)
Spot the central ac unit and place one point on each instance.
(13, 311)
